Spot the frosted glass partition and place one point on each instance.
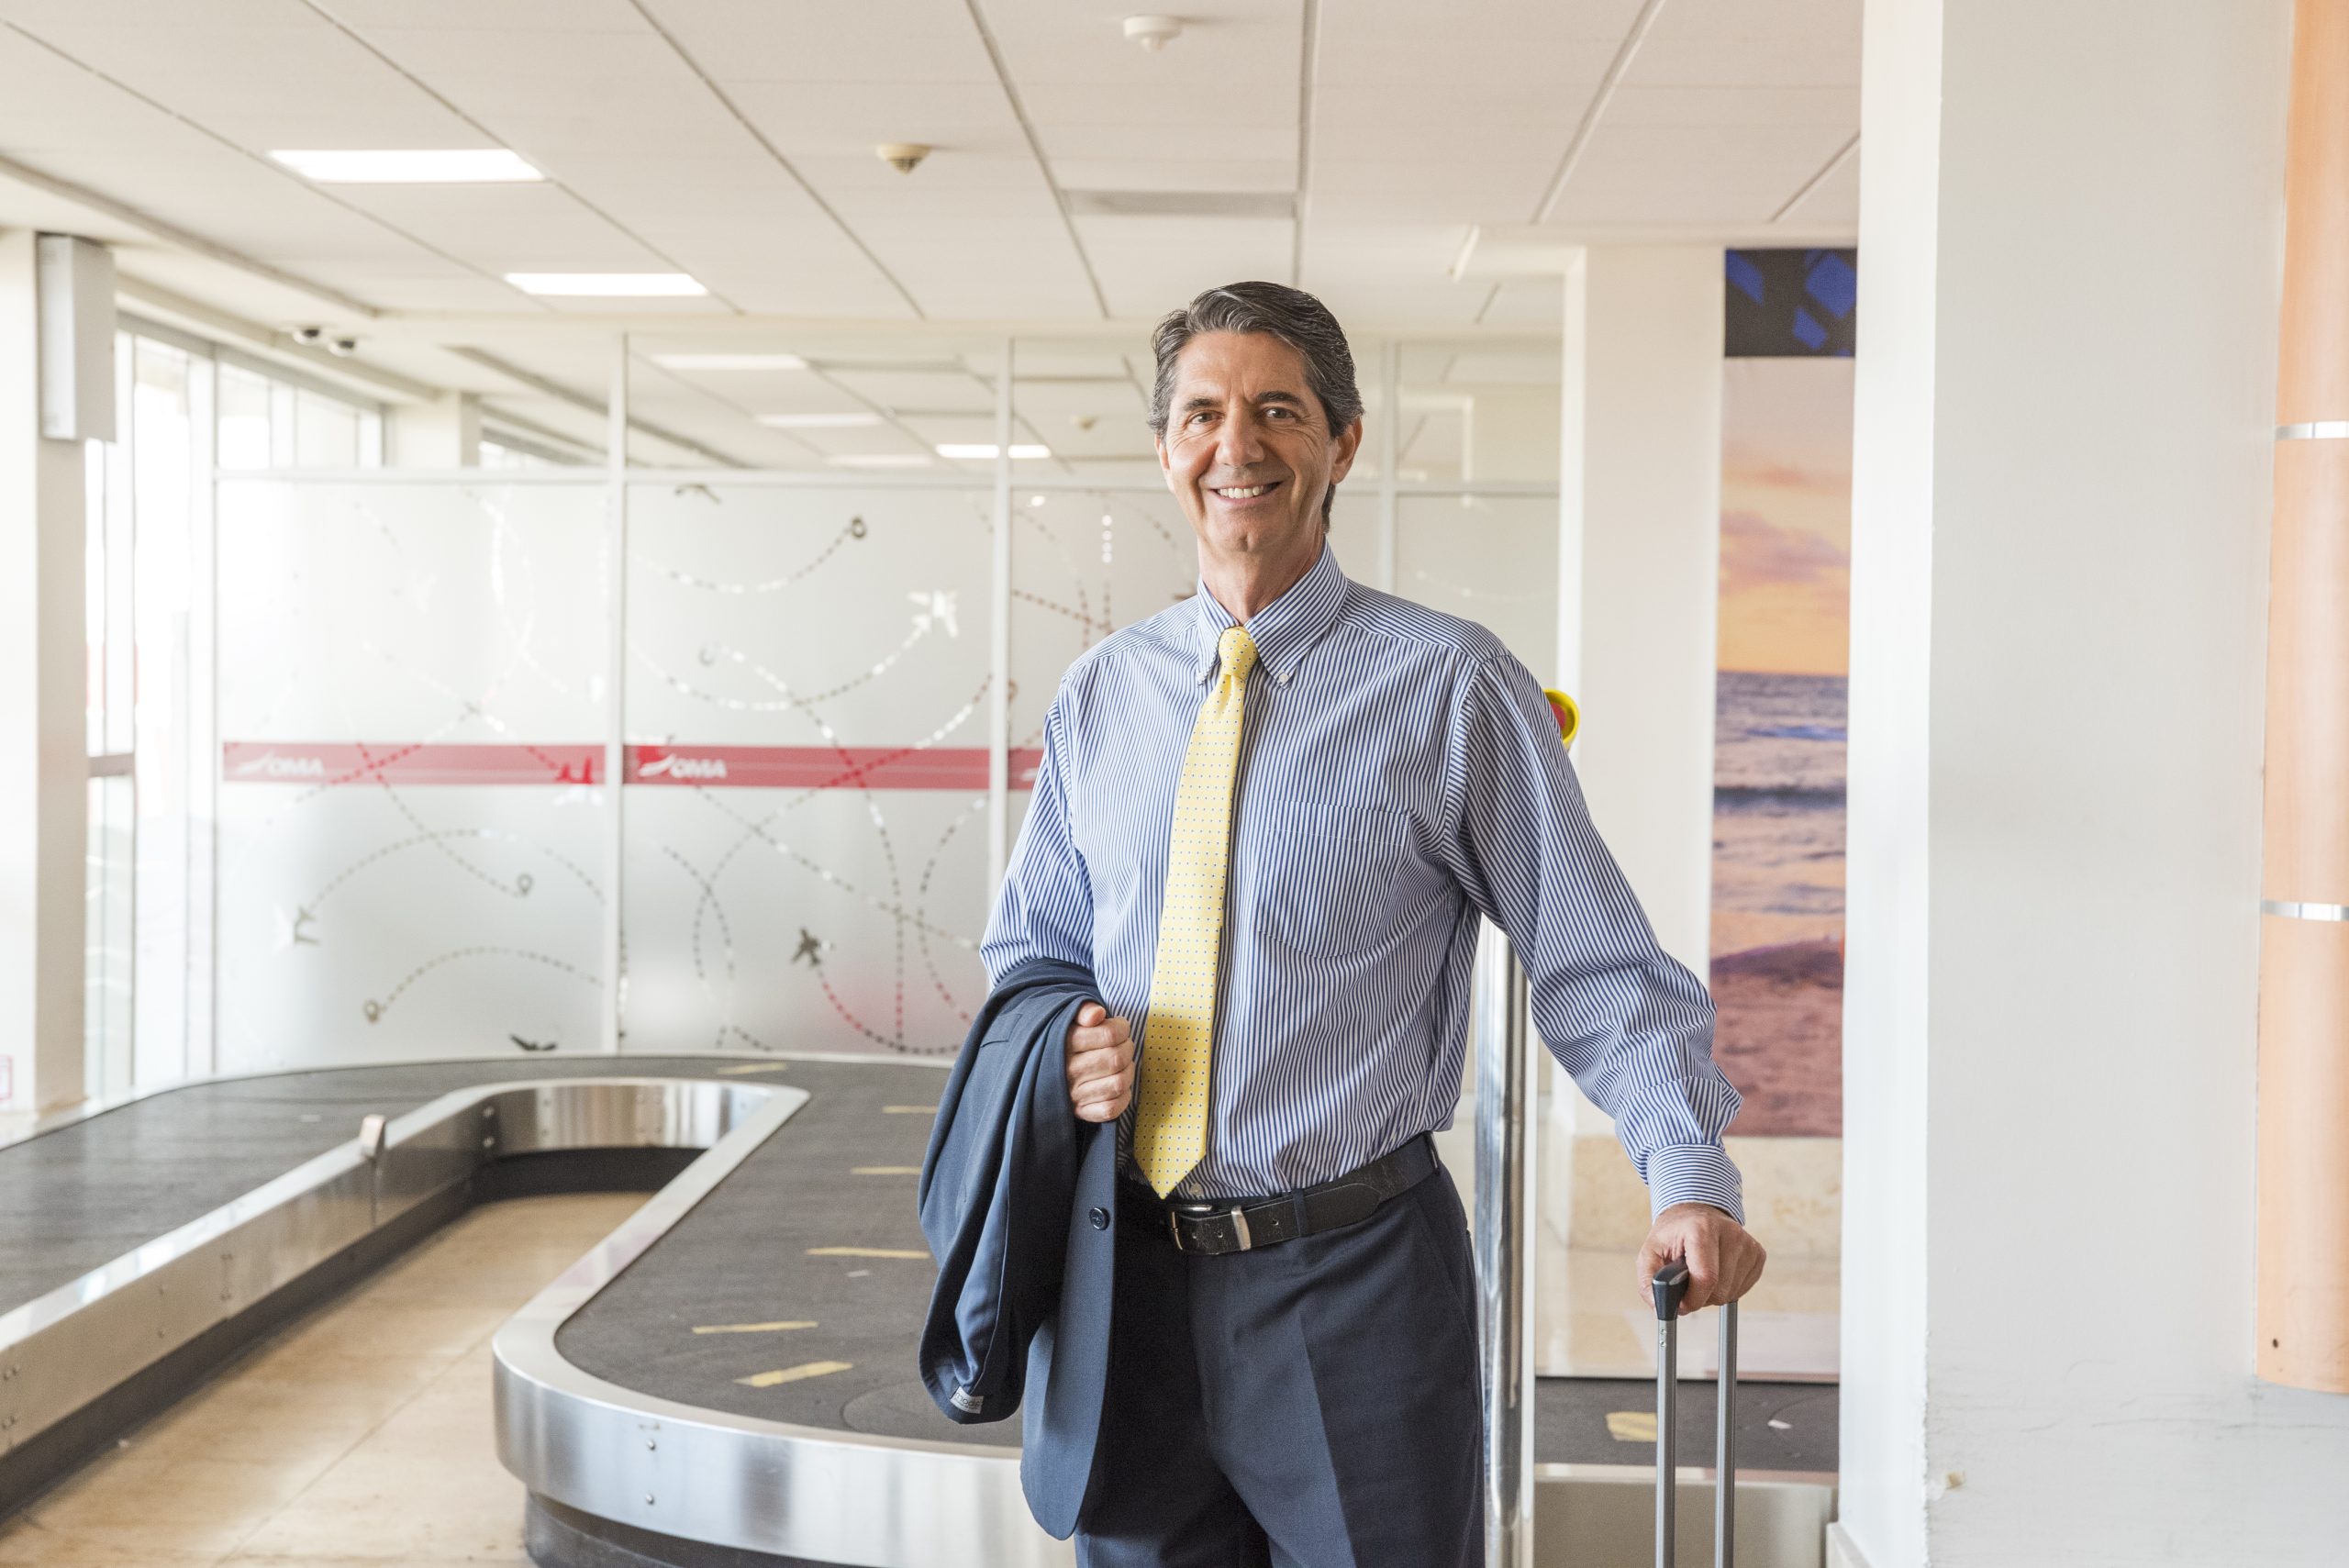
(412, 805)
(1083, 562)
(1491, 557)
(806, 831)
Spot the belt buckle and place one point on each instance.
(1236, 1214)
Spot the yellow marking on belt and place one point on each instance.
(886, 1171)
(1632, 1425)
(750, 1328)
(755, 1067)
(909, 1110)
(865, 1253)
(793, 1374)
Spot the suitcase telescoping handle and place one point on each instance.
(1669, 1287)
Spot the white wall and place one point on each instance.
(43, 786)
(1641, 499)
(2070, 242)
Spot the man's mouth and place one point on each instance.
(1243, 491)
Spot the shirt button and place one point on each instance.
(1101, 1218)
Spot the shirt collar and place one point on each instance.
(1282, 631)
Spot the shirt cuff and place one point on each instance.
(1693, 1172)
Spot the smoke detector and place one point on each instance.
(904, 157)
(1154, 33)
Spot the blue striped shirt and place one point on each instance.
(1399, 775)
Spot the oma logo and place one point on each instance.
(678, 767)
(271, 765)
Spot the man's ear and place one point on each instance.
(1348, 443)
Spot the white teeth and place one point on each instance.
(1245, 494)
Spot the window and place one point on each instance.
(269, 421)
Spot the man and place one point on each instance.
(1268, 819)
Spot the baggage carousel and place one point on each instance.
(726, 1380)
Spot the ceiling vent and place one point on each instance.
(1278, 205)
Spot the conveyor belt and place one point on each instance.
(840, 1175)
(80, 1194)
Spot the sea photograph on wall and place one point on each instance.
(1780, 735)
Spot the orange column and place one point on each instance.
(2304, 949)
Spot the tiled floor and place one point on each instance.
(1589, 1320)
(359, 1435)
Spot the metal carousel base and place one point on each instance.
(725, 1382)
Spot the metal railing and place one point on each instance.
(1504, 1127)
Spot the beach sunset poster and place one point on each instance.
(1779, 740)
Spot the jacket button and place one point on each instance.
(1100, 1218)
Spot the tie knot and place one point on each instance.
(1239, 651)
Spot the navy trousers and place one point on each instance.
(1313, 1405)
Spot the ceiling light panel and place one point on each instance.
(426, 166)
(985, 452)
(841, 421)
(1182, 204)
(701, 361)
(940, 391)
(878, 460)
(607, 285)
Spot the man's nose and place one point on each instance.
(1240, 441)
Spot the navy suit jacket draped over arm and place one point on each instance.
(1016, 1196)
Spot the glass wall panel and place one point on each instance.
(172, 705)
(106, 932)
(1492, 559)
(244, 419)
(806, 838)
(413, 813)
(1083, 564)
(326, 433)
(1476, 412)
(109, 525)
(106, 967)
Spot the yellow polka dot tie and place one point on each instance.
(1178, 1033)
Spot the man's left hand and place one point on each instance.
(1724, 1261)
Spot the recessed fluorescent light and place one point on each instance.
(434, 166)
(878, 460)
(1279, 205)
(731, 361)
(1020, 450)
(820, 422)
(605, 286)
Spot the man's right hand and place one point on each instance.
(1100, 1064)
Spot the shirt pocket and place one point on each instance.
(1329, 881)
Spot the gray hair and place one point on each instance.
(1294, 317)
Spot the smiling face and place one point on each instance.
(1248, 449)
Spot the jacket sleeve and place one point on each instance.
(1629, 1021)
(1044, 908)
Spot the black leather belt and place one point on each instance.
(1240, 1225)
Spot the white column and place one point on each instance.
(1639, 567)
(1639, 587)
(1646, 346)
(443, 433)
(44, 781)
(2069, 252)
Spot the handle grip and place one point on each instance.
(1669, 1288)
